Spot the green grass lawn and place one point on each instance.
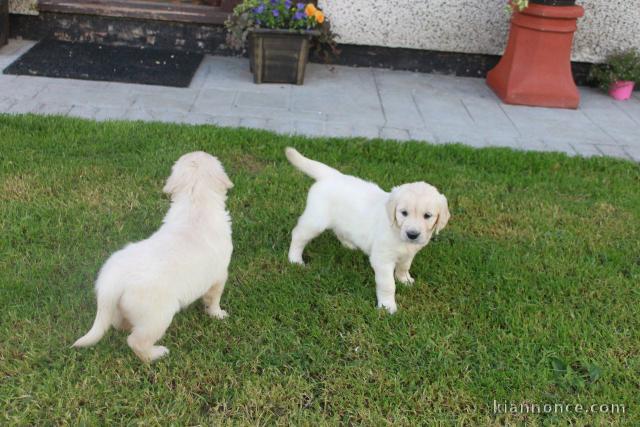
(530, 295)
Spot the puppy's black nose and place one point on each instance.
(413, 235)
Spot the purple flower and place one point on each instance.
(274, 1)
(275, 12)
(287, 4)
(259, 9)
(298, 16)
(300, 6)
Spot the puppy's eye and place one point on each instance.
(427, 216)
(404, 213)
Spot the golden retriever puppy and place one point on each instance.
(142, 286)
(389, 227)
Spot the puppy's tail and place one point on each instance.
(108, 298)
(314, 169)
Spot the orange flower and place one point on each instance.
(310, 10)
(319, 17)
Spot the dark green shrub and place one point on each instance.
(620, 66)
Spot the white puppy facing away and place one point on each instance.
(142, 286)
(389, 227)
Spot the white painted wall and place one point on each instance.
(474, 26)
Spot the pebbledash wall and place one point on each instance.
(465, 26)
(474, 26)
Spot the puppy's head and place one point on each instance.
(417, 210)
(196, 172)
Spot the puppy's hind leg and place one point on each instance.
(309, 227)
(212, 301)
(120, 322)
(145, 335)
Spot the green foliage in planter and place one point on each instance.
(518, 5)
(620, 66)
(238, 25)
(283, 15)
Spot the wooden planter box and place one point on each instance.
(4, 21)
(279, 56)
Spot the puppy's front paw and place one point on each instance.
(157, 351)
(391, 307)
(405, 279)
(296, 260)
(218, 313)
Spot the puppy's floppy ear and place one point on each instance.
(392, 204)
(443, 214)
(221, 177)
(182, 177)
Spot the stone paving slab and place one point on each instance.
(338, 101)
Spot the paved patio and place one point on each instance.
(339, 102)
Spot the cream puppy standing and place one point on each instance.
(389, 227)
(142, 286)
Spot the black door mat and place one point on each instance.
(93, 61)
